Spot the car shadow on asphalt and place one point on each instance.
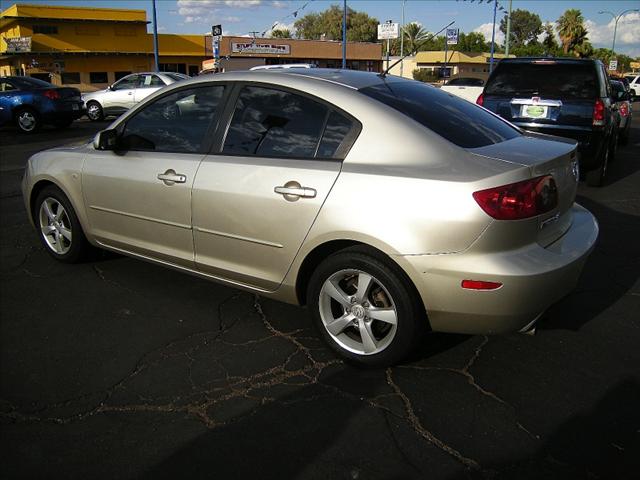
(609, 274)
(601, 443)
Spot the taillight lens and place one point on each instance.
(51, 94)
(480, 285)
(598, 113)
(480, 100)
(519, 200)
(624, 109)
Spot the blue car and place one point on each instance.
(31, 103)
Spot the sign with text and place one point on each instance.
(387, 31)
(613, 65)
(261, 48)
(18, 44)
(216, 30)
(452, 36)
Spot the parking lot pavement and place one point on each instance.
(120, 369)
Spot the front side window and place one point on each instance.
(269, 122)
(6, 86)
(177, 122)
(126, 83)
(458, 121)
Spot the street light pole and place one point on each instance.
(155, 37)
(506, 49)
(493, 35)
(616, 19)
(402, 39)
(344, 35)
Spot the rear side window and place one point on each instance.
(337, 128)
(274, 123)
(451, 117)
(546, 80)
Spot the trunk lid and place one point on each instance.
(544, 155)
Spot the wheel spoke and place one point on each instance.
(58, 244)
(66, 233)
(47, 229)
(336, 293)
(364, 284)
(386, 315)
(59, 213)
(337, 326)
(368, 340)
(47, 209)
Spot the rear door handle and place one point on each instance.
(170, 177)
(292, 191)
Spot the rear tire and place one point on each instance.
(596, 178)
(365, 308)
(58, 227)
(27, 120)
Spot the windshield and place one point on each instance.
(459, 121)
(546, 80)
(28, 82)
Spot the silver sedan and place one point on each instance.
(126, 92)
(388, 207)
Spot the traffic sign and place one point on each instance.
(216, 30)
(613, 65)
(452, 36)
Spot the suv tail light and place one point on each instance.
(52, 94)
(520, 200)
(624, 109)
(480, 99)
(598, 113)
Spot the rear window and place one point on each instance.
(547, 80)
(457, 120)
(28, 82)
(466, 82)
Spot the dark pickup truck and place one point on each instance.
(559, 96)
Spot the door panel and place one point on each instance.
(243, 230)
(130, 208)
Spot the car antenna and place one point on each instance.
(383, 74)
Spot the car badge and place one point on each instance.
(535, 99)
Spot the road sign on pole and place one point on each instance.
(452, 36)
(216, 33)
(388, 30)
(613, 64)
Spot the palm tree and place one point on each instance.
(413, 34)
(281, 33)
(571, 30)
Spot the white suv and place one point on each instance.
(126, 92)
(634, 85)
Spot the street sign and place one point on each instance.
(452, 36)
(216, 30)
(387, 31)
(18, 44)
(613, 65)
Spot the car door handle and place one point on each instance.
(293, 190)
(170, 177)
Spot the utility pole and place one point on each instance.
(155, 37)
(493, 35)
(402, 40)
(344, 35)
(506, 47)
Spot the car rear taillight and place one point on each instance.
(624, 109)
(480, 99)
(598, 113)
(51, 94)
(520, 200)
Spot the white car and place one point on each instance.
(634, 85)
(126, 92)
(465, 87)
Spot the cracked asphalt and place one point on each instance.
(121, 369)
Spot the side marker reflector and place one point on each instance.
(480, 285)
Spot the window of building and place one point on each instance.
(173, 67)
(174, 123)
(193, 70)
(125, 30)
(46, 29)
(269, 122)
(98, 77)
(120, 75)
(46, 77)
(70, 77)
(87, 30)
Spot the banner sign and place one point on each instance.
(261, 48)
(388, 30)
(452, 36)
(18, 44)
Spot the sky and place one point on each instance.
(241, 17)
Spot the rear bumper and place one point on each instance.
(532, 277)
(64, 110)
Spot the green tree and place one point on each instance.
(549, 43)
(572, 31)
(525, 27)
(413, 34)
(472, 42)
(360, 26)
(606, 55)
(281, 33)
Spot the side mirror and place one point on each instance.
(106, 140)
(111, 87)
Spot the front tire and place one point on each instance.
(27, 120)
(365, 308)
(94, 111)
(58, 227)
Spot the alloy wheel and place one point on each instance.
(55, 226)
(358, 312)
(27, 121)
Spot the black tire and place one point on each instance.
(389, 289)
(596, 177)
(94, 111)
(72, 250)
(613, 146)
(27, 120)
